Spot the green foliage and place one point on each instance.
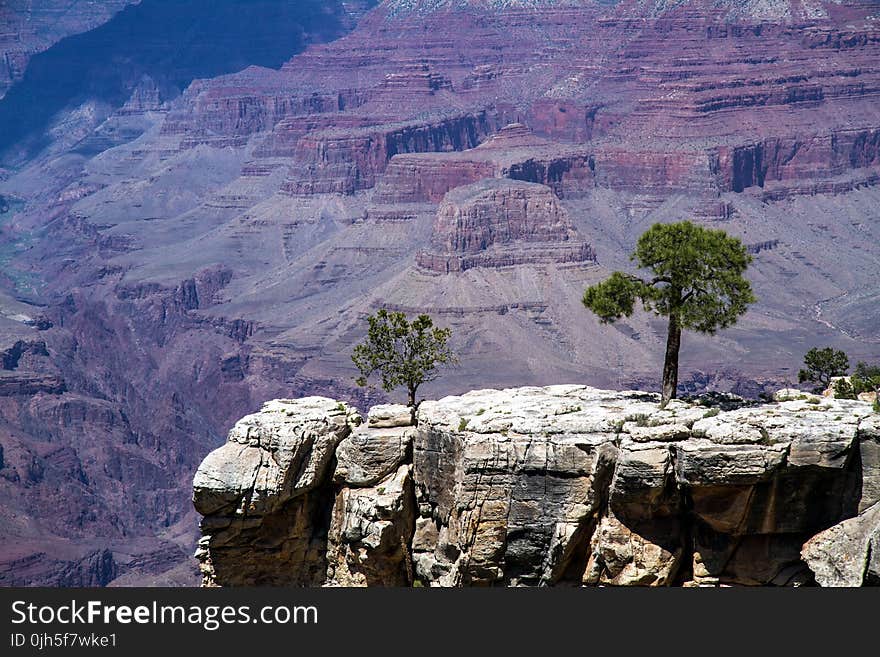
(712, 412)
(843, 390)
(615, 298)
(401, 352)
(696, 280)
(697, 276)
(822, 365)
(462, 424)
(865, 378)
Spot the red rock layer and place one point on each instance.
(793, 158)
(496, 223)
(340, 161)
(513, 152)
(702, 97)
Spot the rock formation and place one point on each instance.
(562, 485)
(501, 222)
(265, 489)
(847, 554)
(208, 232)
(27, 29)
(513, 152)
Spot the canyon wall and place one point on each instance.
(30, 28)
(562, 485)
(343, 162)
(205, 209)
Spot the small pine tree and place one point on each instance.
(865, 378)
(403, 353)
(843, 390)
(696, 281)
(822, 365)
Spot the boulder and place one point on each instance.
(790, 394)
(368, 454)
(847, 554)
(389, 415)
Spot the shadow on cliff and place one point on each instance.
(172, 42)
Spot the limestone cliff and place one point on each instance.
(563, 485)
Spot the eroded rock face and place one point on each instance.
(29, 28)
(498, 222)
(370, 533)
(545, 486)
(847, 554)
(512, 152)
(265, 494)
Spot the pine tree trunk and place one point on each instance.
(412, 405)
(670, 366)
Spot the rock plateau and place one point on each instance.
(562, 485)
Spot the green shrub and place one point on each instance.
(822, 365)
(865, 378)
(843, 390)
(402, 353)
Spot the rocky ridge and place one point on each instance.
(562, 485)
(34, 26)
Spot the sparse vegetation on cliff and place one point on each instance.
(403, 353)
(697, 283)
(866, 378)
(822, 365)
(546, 478)
(843, 389)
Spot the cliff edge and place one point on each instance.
(562, 485)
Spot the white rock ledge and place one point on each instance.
(563, 484)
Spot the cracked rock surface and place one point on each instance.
(560, 485)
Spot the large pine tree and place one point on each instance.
(696, 280)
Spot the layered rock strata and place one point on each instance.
(636, 89)
(31, 27)
(563, 485)
(513, 152)
(344, 161)
(759, 115)
(501, 222)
